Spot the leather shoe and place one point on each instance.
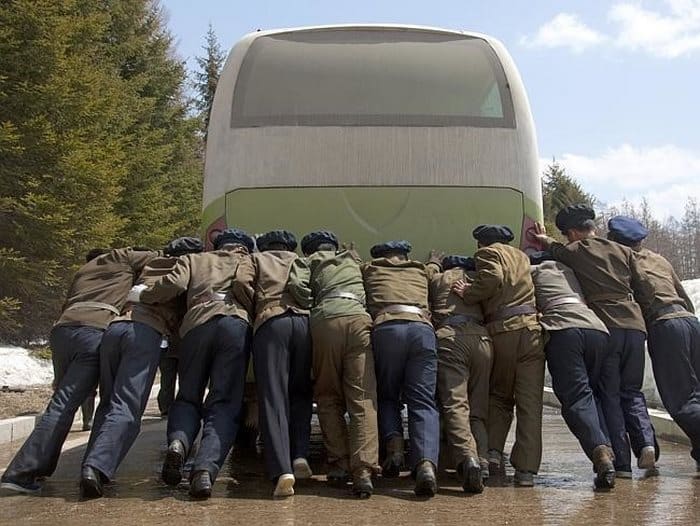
(90, 483)
(200, 485)
(173, 463)
(471, 476)
(362, 483)
(426, 481)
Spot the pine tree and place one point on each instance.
(63, 128)
(207, 77)
(98, 146)
(558, 191)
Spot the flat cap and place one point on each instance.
(453, 261)
(380, 249)
(234, 236)
(493, 234)
(574, 216)
(540, 257)
(627, 230)
(183, 245)
(282, 237)
(310, 242)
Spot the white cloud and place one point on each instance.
(669, 31)
(668, 35)
(564, 30)
(665, 175)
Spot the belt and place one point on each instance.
(403, 309)
(456, 319)
(593, 298)
(510, 312)
(212, 296)
(94, 305)
(342, 294)
(562, 300)
(668, 309)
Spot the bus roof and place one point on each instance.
(428, 29)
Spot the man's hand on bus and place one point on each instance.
(436, 257)
(460, 287)
(540, 234)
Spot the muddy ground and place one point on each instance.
(563, 495)
(27, 401)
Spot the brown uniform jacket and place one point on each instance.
(271, 270)
(556, 283)
(502, 280)
(668, 289)
(106, 279)
(163, 317)
(444, 302)
(610, 279)
(218, 283)
(390, 281)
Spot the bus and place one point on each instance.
(376, 132)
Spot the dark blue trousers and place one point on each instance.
(405, 359)
(623, 403)
(574, 358)
(129, 357)
(168, 378)
(282, 363)
(214, 354)
(79, 348)
(674, 348)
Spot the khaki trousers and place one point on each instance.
(464, 368)
(343, 367)
(517, 379)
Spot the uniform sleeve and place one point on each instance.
(243, 284)
(169, 286)
(641, 286)
(298, 283)
(138, 259)
(680, 290)
(563, 253)
(432, 269)
(489, 277)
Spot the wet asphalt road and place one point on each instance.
(563, 493)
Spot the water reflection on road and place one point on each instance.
(563, 494)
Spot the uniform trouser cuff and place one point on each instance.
(206, 465)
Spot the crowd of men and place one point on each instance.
(461, 341)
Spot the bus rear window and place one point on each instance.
(372, 77)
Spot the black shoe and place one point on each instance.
(90, 483)
(426, 482)
(471, 476)
(173, 463)
(391, 468)
(362, 483)
(200, 485)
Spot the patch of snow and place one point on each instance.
(692, 287)
(19, 369)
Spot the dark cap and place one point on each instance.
(574, 216)
(183, 245)
(487, 234)
(310, 242)
(94, 253)
(380, 249)
(273, 237)
(232, 236)
(626, 230)
(453, 261)
(540, 257)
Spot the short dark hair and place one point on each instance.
(95, 252)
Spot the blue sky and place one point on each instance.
(613, 84)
